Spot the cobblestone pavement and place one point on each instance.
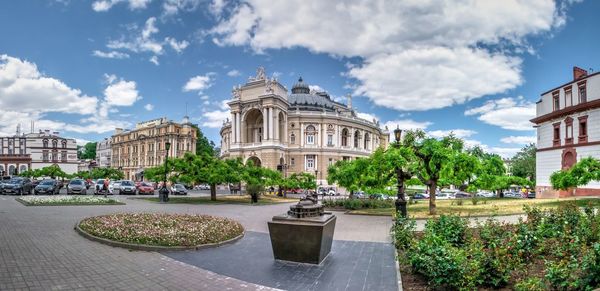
(39, 249)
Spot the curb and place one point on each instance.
(397, 265)
(150, 248)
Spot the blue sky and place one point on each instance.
(85, 67)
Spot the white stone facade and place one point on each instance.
(568, 129)
(103, 153)
(304, 131)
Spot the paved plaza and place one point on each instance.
(39, 250)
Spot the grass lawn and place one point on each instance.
(492, 206)
(233, 199)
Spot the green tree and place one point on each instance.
(204, 146)
(302, 180)
(523, 163)
(110, 173)
(433, 156)
(52, 171)
(581, 173)
(89, 151)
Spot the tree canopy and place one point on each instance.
(523, 163)
(581, 173)
(88, 151)
(204, 146)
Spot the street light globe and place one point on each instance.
(397, 133)
(167, 145)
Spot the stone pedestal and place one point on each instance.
(304, 240)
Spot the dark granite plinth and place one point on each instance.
(304, 240)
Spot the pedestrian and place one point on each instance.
(105, 186)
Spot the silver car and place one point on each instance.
(76, 186)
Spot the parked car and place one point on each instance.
(420, 196)
(48, 187)
(359, 194)
(462, 194)
(512, 194)
(100, 187)
(202, 187)
(179, 189)
(531, 194)
(145, 188)
(18, 185)
(443, 196)
(486, 194)
(127, 187)
(76, 186)
(117, 185)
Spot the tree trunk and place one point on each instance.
(213, 192)
(351, 194)
(500, 193)
(432, 188)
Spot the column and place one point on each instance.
(238, 136)
(285, 129)
(276, 125)
(265, 124)
(271, 123)
(301, 137)
(233, 127)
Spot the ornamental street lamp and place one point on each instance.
(164, 191)
(400, 177)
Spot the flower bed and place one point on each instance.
(556, 249)
(161, 229)
(67, 200)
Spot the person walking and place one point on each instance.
(105, 186)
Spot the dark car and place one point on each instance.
(127, 187)
(48, 187)
(421, 196)
(179, 189)
(461, 194)
(18, 185)
(531, 194)
(76, 186)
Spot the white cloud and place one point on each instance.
(28, 95)
(199, 83)
(234, 73)
(177, 46)
(149, 107)
(445, 52)
(460, 133)
(366, 116)
(173, 7)
(154, 60)
(81, 142)
(507, 113)
(406, 124)
(105, 5)
(518, 139)
(216, 7)
(504, 152)
(214, 119)
(119, 92)
(110, 54)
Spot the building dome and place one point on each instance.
(300, 87)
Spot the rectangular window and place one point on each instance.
(556, 101)
(568, 97)
(310, 162)
(293, 161)
(330, 162)
(582, 93)
(329, 140)
(293, 138)
(310, 139)
(583, 129)
(556, 141)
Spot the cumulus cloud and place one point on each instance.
(154, 60)
(460, 133)
(119, 92)
(149, 107)
(406, 124)
(518, 139)
(412, 55)
(110, 54)
(199, 83)
(173, 7)
(143, 40)
(214, 119)
(28, 95)
(507, 113)
(366, 116)
(234, 73)
(105, 5)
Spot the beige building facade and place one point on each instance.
(305, 131)
(144, 147)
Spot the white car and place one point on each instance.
(117, 185)
(443, 196)
(486, 194)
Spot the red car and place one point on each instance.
(145, 188)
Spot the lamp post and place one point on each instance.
(164, 191)
(400, 177)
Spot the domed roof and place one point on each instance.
(300, 87)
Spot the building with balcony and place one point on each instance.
(13, 155)
(305, 131)
(103, 153)
(567, 121)
(144, 146)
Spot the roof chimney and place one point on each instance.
(579, 73)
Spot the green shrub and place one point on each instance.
(450, 228)
(353, 204)
(443, 264)
(475, 200)
(403, 231)
(530, 284)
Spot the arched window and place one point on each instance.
(310, 134)
(292, 138)
(45, 143)
(345, 137)
(64, 144)
(54, 143)
(22, 168)
(367, 140)
(356, 138)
